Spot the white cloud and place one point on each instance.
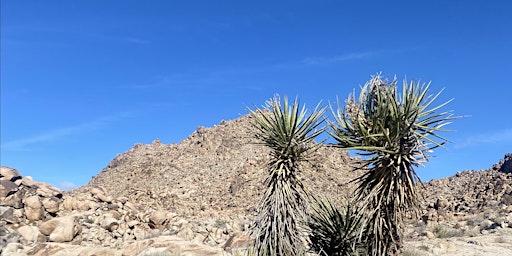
(66, 185)
(496, 137)
(27, 143)
(338, 58)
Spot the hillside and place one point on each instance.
(217, 170)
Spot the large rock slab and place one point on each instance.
(31, 233)
(61, 229)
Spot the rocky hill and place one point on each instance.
(217, 170)
(198, 197)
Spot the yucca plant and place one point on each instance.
(289, 132)
(335, 231)
(394, 133)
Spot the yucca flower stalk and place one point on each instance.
(289, 132)
(394, 133)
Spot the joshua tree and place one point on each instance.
(394, 133)
(289, 132)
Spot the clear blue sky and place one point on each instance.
(83, 81)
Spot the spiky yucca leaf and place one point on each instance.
(289, 132)
(334, 231)
(395, 132)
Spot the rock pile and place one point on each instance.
(484, 195)
(38, 219)
(217, 170)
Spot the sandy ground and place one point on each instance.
(497, 243)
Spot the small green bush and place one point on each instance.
(335, 231)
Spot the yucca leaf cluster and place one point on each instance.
(289, 131)
(395, 133)
(335, 231)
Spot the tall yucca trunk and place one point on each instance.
(289, 133)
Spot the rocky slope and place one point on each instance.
(470, 192)
(217, 170)
(198, 197)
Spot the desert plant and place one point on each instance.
(334, 231)
(394, 133)
(289, 132)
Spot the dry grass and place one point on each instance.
(442, 231)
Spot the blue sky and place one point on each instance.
(83, 81)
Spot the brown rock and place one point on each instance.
(31, 233)
(15, 200)
(110, 223)
(51, 204)
(33, 208)
(8, 173)
(100, 194)
(158, 218)
(441, 203)
(7, 214)
(69, 203)
(27, 181)
(7, 188)
(61, 229)
(429, 235)
(47, 190)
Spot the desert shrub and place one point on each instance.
(334, 231)
(441, 231)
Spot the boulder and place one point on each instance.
(33, 208)
(507, 167)
(110, 223)
(158, 218)
(7, 214)
(15, 200)
(27, 181)
(51, 204)
(60, 229)
(441, 203)
(100, 194)
(8, 173)
(47, 190)
(31, 233)
(7, 188)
